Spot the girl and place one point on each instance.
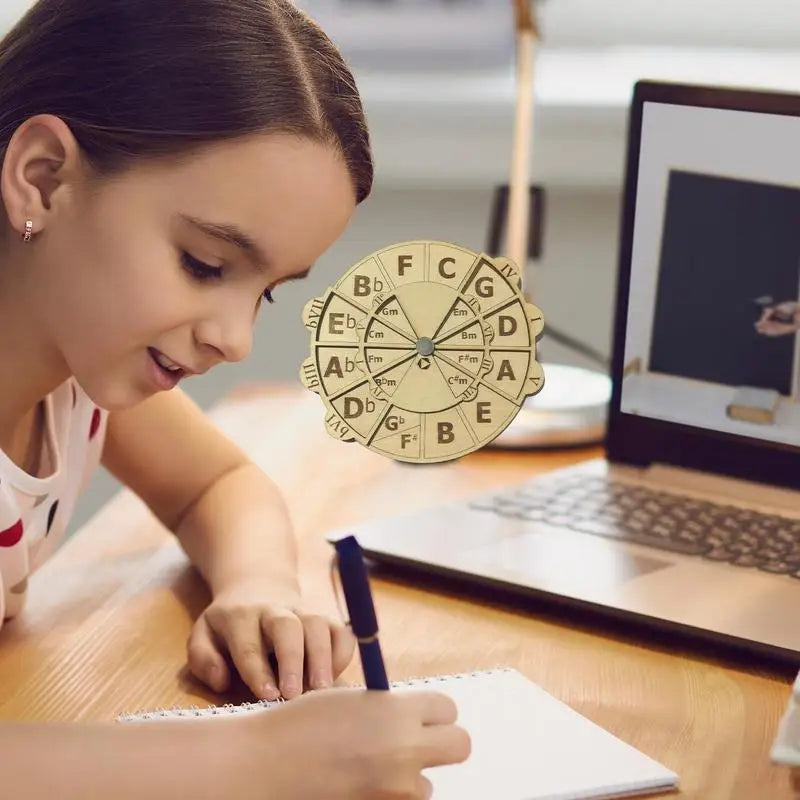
(165, 165)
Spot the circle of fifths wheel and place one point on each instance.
(423, 351)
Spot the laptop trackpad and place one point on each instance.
(566, 562)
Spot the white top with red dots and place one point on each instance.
(35, 510)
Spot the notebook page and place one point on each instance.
(527, 745)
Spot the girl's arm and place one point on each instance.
(233, 524)
(227, 514)
(239, 529)
(166, 760)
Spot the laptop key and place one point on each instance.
(779, 567)
(528, 506)
(559, 519)
(720, 554)
(532, 514)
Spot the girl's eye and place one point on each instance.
(204, 272)
(199, 269)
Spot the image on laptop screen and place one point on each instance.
(714, 306)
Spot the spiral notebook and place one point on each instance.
(526, 744)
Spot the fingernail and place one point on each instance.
(290, 684)
(270, 692)
(321, 681)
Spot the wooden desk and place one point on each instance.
(108, 617)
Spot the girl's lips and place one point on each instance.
(162, 378)
(184, 369)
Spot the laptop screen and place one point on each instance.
(711, 328)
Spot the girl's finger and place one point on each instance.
(243, 639)
(285, 631)
(445, 744)
(318, 651)
(204, 658)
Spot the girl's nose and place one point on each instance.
(229, 331)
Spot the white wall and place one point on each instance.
(688, 23)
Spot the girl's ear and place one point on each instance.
(42, 162)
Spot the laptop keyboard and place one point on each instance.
(663, 520)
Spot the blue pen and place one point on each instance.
(361, 610)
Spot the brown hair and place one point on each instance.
(139, 79)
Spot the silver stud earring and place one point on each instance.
(28, 230)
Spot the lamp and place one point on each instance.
(572, 406)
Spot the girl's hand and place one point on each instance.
(251, 621)
(349, 744)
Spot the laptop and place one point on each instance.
(690, 521)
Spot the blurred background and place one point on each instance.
(437, 79)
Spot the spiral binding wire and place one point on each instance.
(258, 705)
(423, 680)
(196, 711)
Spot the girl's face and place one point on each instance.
(172, 262)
